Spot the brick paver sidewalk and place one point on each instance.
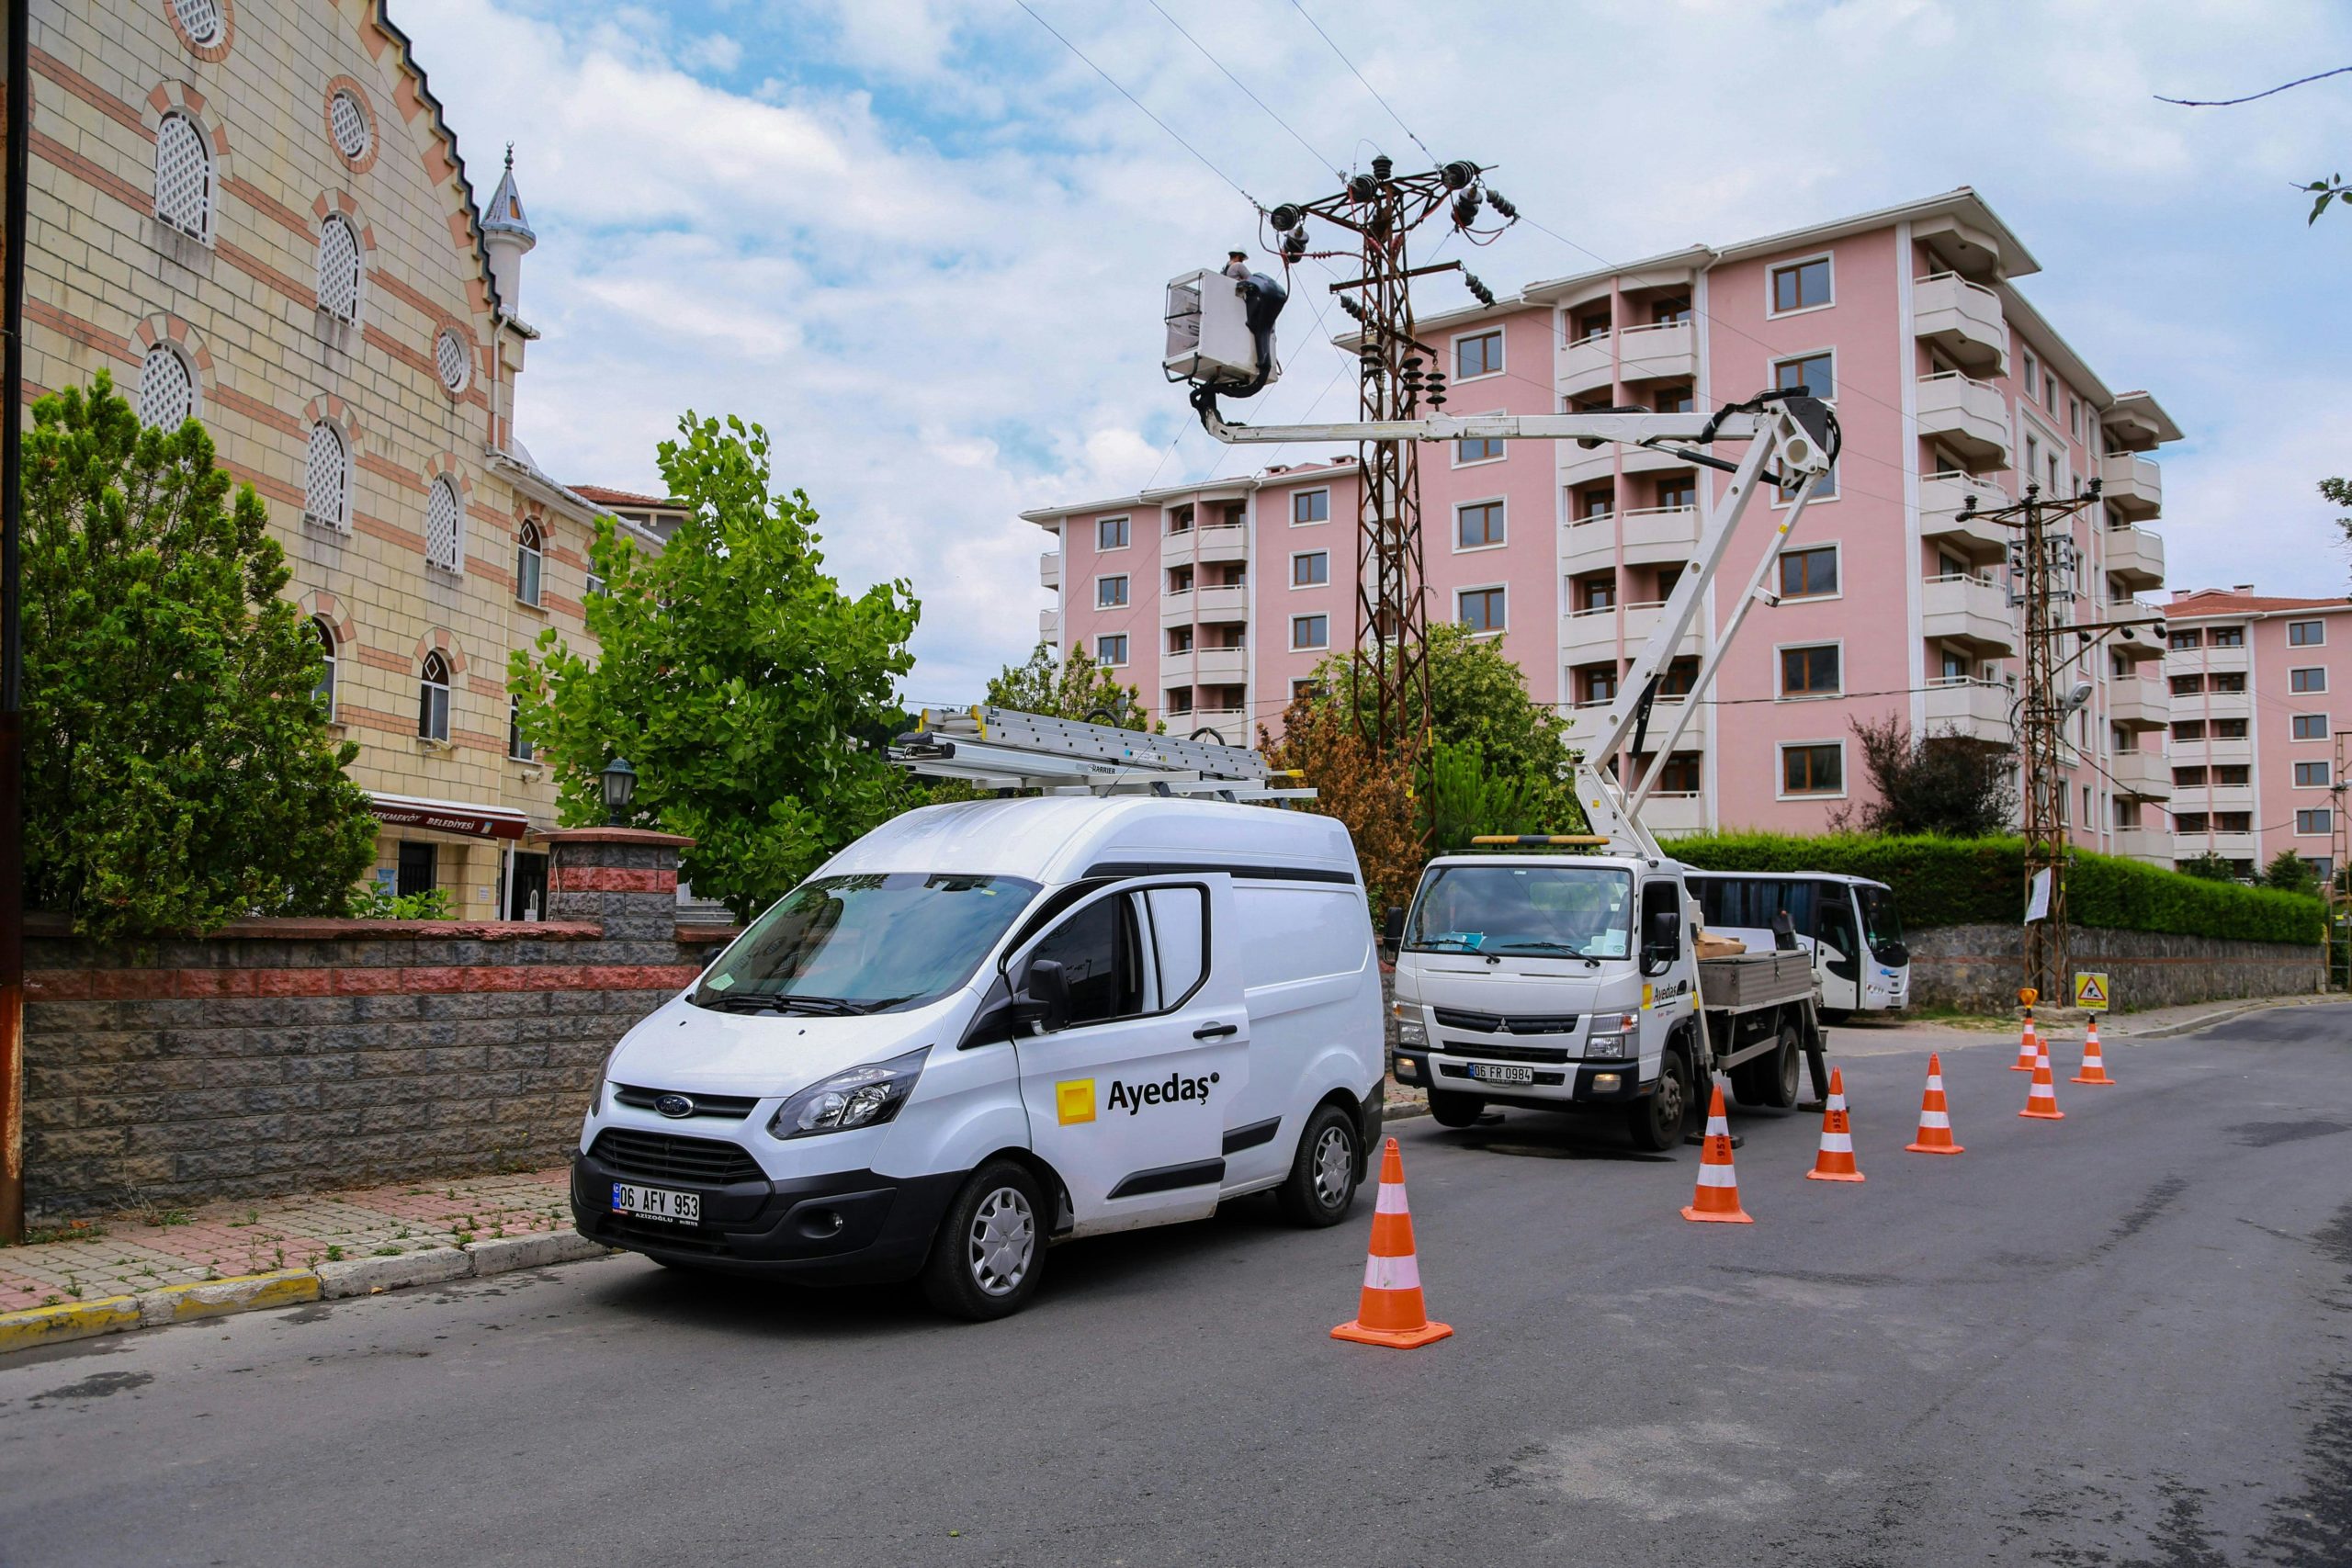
(131, 1254)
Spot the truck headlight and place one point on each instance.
(1613, 1037)
(861, 1096)
(1410, 1031)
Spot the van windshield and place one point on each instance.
(865, 944)
(1551, 912)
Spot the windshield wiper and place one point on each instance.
(1442, 944)
(719, 1001)
(823, 1007)
(1558, 947)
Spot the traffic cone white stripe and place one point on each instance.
(1392, 1273)
(1391, 1201)
(1719, 1126)
(1717, 1176)
(1935, 1119)
(1837, 1143)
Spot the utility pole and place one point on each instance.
(12, 643)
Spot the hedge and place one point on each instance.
(1955, 882)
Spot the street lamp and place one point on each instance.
(620, 783)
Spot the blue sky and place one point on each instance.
(923, 244)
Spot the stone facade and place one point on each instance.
(1977, 967)
(313, 116)
(289, 1056)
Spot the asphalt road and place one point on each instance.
(2118, 1339)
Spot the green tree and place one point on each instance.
(1940, 783)
(1076, 687)
(2208, 867)
(737, 677)
(2291, 872)
(1478, 696)
(178, 771)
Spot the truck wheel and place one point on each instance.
(1323, 1175)
(1785, 1065)
(985, 1260)
(1654, 1123)
(1448, 1108)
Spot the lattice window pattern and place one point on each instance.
(441, 518)
(326, 478)
(167, 390)
(202, 19)
(339, 269)
(349, 122)
(183, 176)
(450, 355)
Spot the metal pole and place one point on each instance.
(2045, 834)
(12, 640)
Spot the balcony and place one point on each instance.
(1579, 465)
(2189, 661)
(1048, 626)
(1666, 713)
(1220, 603)
(1176, 609)
(1667, 351)
(1223, 543)
(1963, 319)
(1944, 496)
(1588, 364)
(1590, 545)
(1973, 709)
(2138, 704)
(2218, 705)
(2185, 753)
(2133, 486)
(2141, 775)
(1660, 535)
(2151, 844)
(1231, 724)
(1219, 666)
(1968, 415)
(2229, 846)
(1972, 610)
(1590, 637)
(1641, 620)
(2135, 558)
(1049, 568)
(1176, 670)
(2212, 797)
(1675, 815)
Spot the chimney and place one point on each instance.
(2243, 588)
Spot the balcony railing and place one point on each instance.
(1944, 515)
(1656, 534)
(1969, 414)
(2133, 486)
(1963, 319)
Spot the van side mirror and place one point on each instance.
(1043, 997)
(1392, 930)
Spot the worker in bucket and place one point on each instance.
(1237, 265)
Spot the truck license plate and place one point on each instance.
(1488, 1072)
(657, 1204)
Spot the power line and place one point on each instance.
(1253, 97)
(1368, 87)
(2224, 103)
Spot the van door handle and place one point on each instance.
(1215, 1030)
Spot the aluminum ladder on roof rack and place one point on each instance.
(1005, 749)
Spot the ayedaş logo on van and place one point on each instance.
(1074, 1099)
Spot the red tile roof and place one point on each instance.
(601, 496)
(2228, 601)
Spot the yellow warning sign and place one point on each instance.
(2091, 991)
(1074, 1101)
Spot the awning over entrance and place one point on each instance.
(449, 816)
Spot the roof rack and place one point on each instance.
(1006, 749)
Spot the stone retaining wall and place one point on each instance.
(288, 1055)
(1978, 967)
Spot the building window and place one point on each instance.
(1179, 521)
(2234, 821)
(433, 699)
(1680, 676)
(1310, 631)
(1478, 526)
(2311, 776)
(1809, 671)
(2313, 679)
(1310, 506)
(1598, 592)
(2032, 372)
(2311, 726)
(1479, 356)
(1179, 640)
(529, 557)
(324, 691)
(2182, 642)
(2188, 685)
(1111, 534)
(2189, 778)
(1801, 285)
(2229, 637)
(1672, 399)
(2317, 820)
(1814, 768)
(348, 122)
(1481, 609)
(518, 744)
(326, 478)
(1676, 492)
(453, 359)
(166, 390)
(183, 176)
(2229, 730)
(1310, 568)
(595, 585)
(1809, 573)
(1111, 649)
(1109, 593)
(339, 268)
(444, 525)
(1482, 449)
(2190, 821)
(1306, 689)
(1597, 686)
(1815, 373)
(2226, 774)
(2306, 634)
(2188, 729)
(2232, 681)
(201, 20)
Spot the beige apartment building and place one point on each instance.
(253, 213)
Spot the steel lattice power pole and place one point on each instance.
(2041, 723)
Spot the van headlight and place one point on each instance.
(861, 1096)
(1613, 1038)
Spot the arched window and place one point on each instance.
(324, 690)
(166, 390)
(183, 176)
(339, 268)
(528, 558)
(433, 699)
(443, 526)
(326, 484)
(518, 744)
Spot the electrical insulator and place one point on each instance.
(1484, 295)
(1466, 209)
(1383, 165)
(1287, 216)
(1458, 174)
(1295, 244)
(1364, 187)
(1435, 390)
(1501, 203)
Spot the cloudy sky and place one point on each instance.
(923, 243)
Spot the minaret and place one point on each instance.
(506, 235)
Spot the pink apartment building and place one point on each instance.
(1217, 599)
(2261, 724)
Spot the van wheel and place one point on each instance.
(1450, 1110)
(985, 1260)
(1655, 1121)
(1323, 1173)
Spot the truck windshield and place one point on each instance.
(1541, 910)
(865, 943)
(1882, 924)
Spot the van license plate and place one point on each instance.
(655, 1203)
(1487, 1072)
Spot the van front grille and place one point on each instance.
(666, 1157)
(715, 1107)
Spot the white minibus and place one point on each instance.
(1849, 924)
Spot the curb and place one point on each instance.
(34, 1326)
(2207, 1021)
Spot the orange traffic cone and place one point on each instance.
(2041, 1097)
(1835, 1160)
(1717, 1197)
(2026, 1051)
(1935, 1118)
(2094, 1065)
(1390, 1312)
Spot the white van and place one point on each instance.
(986, 1026)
